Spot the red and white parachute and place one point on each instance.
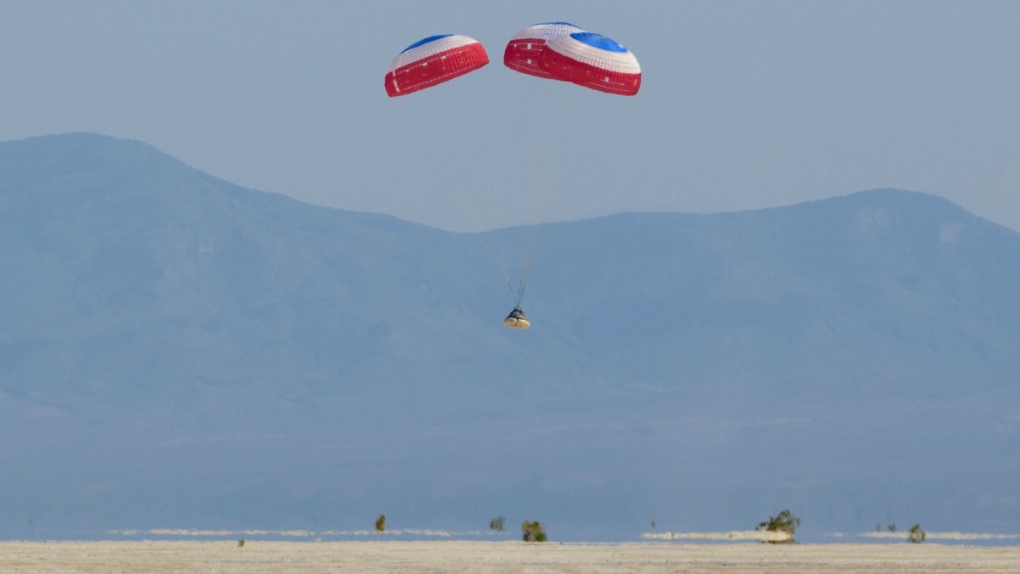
(593, 61)
(523, 50)
(562, 51)
(432, 61)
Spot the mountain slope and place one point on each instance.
(868, 289)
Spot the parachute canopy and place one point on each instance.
(593, 61)
(524, 48)
(432, 61)
(516, 319)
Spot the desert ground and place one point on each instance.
(491, 557)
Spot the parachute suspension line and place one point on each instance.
(518, 294)
(526, 264)
(524, 271)
(512, 292)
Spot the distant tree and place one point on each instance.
(916, 534)
(380, 523)
(891, 527)
(785, 521)
(240, 543)
(498, 524)
(533, 531)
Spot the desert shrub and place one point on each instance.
(533, 531)
(916, 534)
(380, 523)
(785, 521)
(498, 524)
(240, 543)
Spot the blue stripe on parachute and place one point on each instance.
(424, 41)
(599, 41)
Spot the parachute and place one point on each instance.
(593, 61)
(432, 61)
(524, 48)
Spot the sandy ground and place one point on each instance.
(485, 557)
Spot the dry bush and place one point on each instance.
(498, 524)
(785, 521)
(533, 531)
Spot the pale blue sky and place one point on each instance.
(743, 104)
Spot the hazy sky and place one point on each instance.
(742, 105)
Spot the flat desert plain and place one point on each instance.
(485, 557)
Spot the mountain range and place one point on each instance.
(179, 351)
